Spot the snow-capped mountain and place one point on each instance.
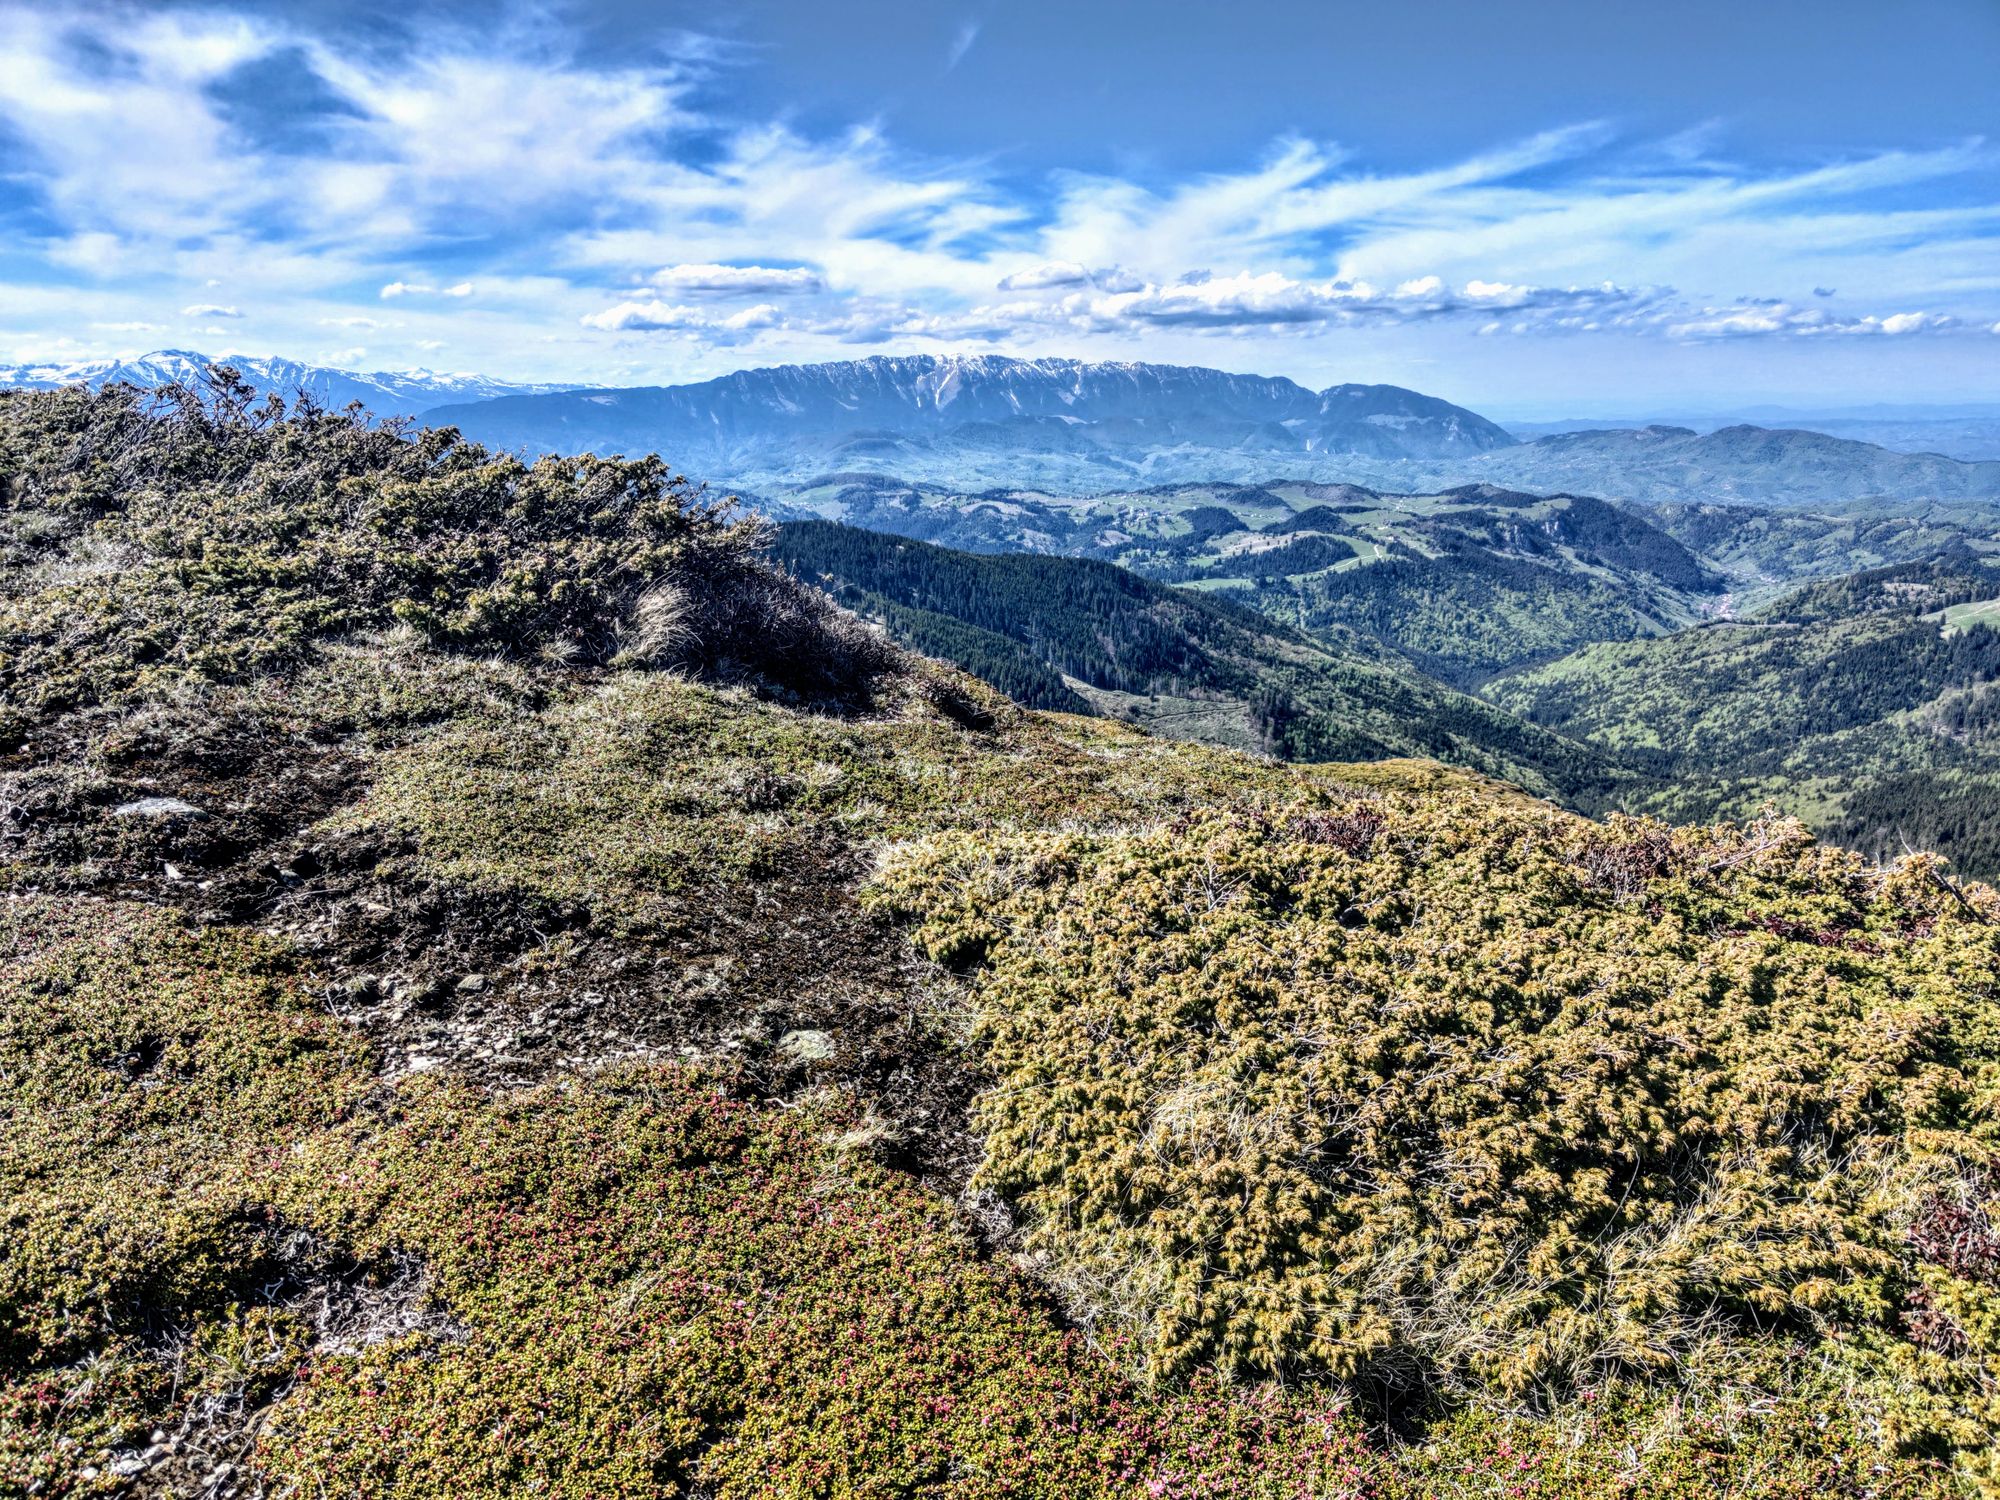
(985, 418)
(385, 392)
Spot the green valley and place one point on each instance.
(1865, 705)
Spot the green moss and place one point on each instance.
(151, 1075)
(652, 798)
(656, 1288)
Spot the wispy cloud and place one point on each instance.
(510, 191)
(1782, 320)
(961, 43)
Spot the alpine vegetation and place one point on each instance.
(504, 989)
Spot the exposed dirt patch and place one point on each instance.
(332, 1305)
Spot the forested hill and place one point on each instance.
(1465, 582)
(1880, 725)
(1077, 634)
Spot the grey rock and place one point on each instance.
(805, 1047)
(157, 807)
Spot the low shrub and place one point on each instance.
(1490, 1101)
(192, 536)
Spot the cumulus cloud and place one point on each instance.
(750, 281)
(1203, 299)
(396, 289)
(210, 310)
(655, 316)
(1054, 274)
(1767, 318)
(643, 216)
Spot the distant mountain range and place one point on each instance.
(1057, 422)
(1467, 583)
(1967, 431)
(1068, 427)
(1757, 465)
(1072, 428)
(386, 392)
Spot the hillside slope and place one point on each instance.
(1465, 583)
(1859, 706)
(1087, 636)
(503, 991)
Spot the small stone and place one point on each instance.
(472, 984)
(805, 1047)
(157, 807)
(159, 1436)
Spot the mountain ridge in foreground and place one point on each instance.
(503, 990)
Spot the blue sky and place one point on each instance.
(1538, 209)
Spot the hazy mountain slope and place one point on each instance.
(1470, 582)
(1073, 427)
(1820, 718)
(1734, 464)
(384, 392)
(1189, 665)
(1967, 432)
(1767, 545)
(1013, 421)
(503, 992)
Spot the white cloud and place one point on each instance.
(1271, 300)
(655, 316)
(1066, 273)
(210, 310)
(753, 281)
(579, 168)
(1778, 319)
(1054, 273)
(961, 44)
(396, 289)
